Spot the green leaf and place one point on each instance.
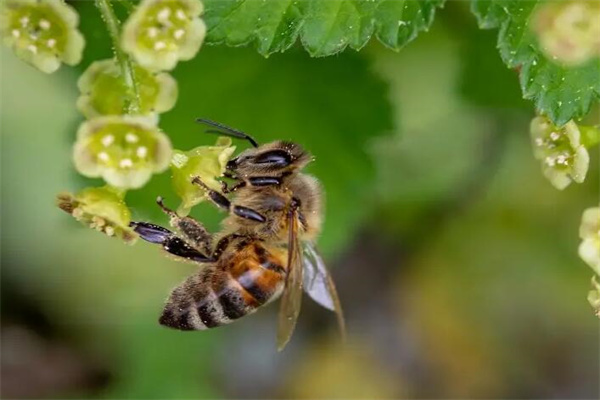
(562, 93)
(324, 27)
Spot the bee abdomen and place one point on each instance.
(194, 305)
(207, 309)
(217, 296)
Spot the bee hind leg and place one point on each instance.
(170, 242)
(190, 229)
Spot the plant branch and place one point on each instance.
(123, 60)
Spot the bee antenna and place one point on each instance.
(226, 131)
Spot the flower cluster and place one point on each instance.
(102, 209)
(103, 90)
(159, 33)
(564, 158)
(569, 31)
(124, 150)
(42, 32)
(207, 162)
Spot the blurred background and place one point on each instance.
(454, 258)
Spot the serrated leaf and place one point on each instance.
(562, 93)
(324, 27)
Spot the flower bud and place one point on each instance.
(102, 209)
(207, 162)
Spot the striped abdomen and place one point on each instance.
(223, 292)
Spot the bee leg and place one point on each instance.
(227, 189)
(217, 198)
(222, 245)
(265, 181)
(191, 229)
(248, 213)
(223, 202)
(169, 241)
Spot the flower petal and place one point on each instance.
(124, 150)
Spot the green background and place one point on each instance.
(455, 259)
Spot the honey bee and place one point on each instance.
(265, 249)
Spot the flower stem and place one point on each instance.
(112, 24)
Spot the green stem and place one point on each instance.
(590, 135)
(112, 24)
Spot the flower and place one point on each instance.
(42, 32)
(589, 232)
(564, 158)
(102, 209)
(569, 31)
(207, 162)
(124, 150)
(159, 33)
(594, 296)
(103, 91)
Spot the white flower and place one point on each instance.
(589, 232)
(563, 156)
(124, 150)
(42, 32)
(103, 91)
(159, 33)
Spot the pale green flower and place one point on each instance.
(104, 92)
(159, 33)
(564, 158)
(594, 296)
(207, 162)
(124, 150)
(589, 232)
(569, 31)
(42, 32)
(102, 209)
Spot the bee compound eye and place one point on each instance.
(279, 158)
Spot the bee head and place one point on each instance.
(270, 159)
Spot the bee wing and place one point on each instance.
(292, 293)
(319, 284)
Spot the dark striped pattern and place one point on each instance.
(233, 303)
(248, 282)
(208, 313)
(220, 294)
(172, 319)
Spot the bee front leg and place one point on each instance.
(191, 230)
(168, 240)
(223, 202)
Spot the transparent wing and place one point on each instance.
(319, 284)
(291, 299)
